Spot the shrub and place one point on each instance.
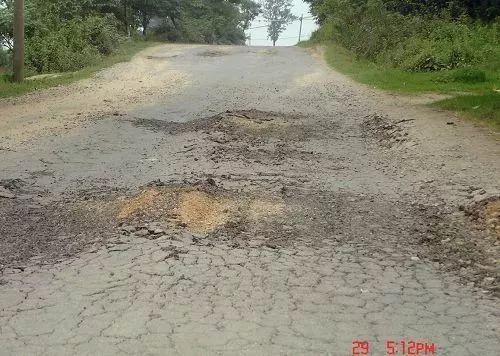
(59, 51)
(445, 45)
(102, 33)
(411, 42)
(5, 58)
(74, 45)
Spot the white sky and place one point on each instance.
(290, 36)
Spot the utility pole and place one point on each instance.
(300, 28)
(19, 41)
(125, 16)
(250, 39)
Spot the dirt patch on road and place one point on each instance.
(245, 125)
(36, 230)
(108, 92)
(204, 212)
(258, 122)
(251, 135)
(213, 53)
(202, 209)
(492, 216)
(386, 133)
(142, 201)
(485, 213)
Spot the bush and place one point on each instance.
(102, 33)
(5, 58)
(411, 42)
(446, 45)
(74, 45)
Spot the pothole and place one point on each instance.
(388, 134)
(213, 53)
(201, 209)
(492, 216)
(35, 229)
(486, 214)
(257, 121)
(246, 125)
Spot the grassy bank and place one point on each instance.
(475, 88)
(124, 53)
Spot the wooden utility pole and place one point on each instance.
(125, 16)
(300, 28)
(19, 41)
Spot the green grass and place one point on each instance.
(126, 51)
(485, 107)
(475, 88)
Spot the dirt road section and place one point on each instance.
(114, 91)
(222, 200)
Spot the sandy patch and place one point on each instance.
(198, 210)
(140, 203)
(204, 212)
(117, 89)
(310, 79)
(260, 209)
(492, 216)
(213, 53)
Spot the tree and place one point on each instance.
(7, 24)
(279, 15)
(249, 11)
(147, 9)
(67, 35)
(485, 10)
(19, 41)
(217, 21)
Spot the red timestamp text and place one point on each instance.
(410, 347)
(399, 347)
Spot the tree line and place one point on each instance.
(63, 35)
(485, 10)
(415, 35)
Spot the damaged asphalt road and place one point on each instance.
(236, 200)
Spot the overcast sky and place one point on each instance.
(289, 37)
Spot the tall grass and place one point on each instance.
(410, 42)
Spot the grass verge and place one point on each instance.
(481, 101)
(124, 53)
(485, 107)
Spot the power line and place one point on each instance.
(304, 18)
(251, 28)
(280, 38)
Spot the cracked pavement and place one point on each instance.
(364, 240)
(131, 299)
